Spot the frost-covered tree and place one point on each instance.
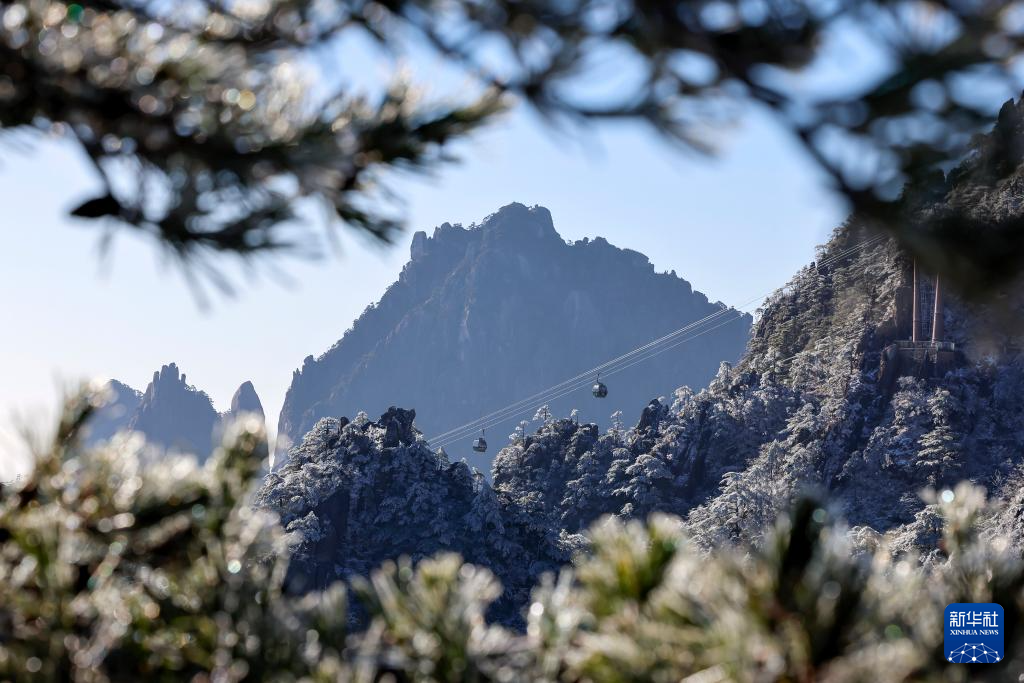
(523, 427)
(354, 495)
(616, 426)
(587, 494)
(939, 448)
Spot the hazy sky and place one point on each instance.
(736, 226)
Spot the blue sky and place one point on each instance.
(735, 226)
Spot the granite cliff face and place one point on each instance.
(484, 316)
(171, 414)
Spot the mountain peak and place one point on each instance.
(168, 375)
(170, 414)
(246, 400)
(519, 219)
(485, 315)
(174, 415)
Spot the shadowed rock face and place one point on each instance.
(174, 415)
(485, 316)
(171, 414)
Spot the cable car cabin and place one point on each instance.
(480, 443)
(599, 390)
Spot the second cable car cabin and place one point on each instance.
(480, 443)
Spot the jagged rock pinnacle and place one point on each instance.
(246, 400)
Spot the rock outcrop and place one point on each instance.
(356, 493)
(174, 415)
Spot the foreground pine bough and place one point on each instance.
(114, 568)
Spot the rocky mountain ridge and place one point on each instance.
(809, 407)
(172, 414)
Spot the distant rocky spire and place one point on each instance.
(246, 400)
(419, 245)
(175, 416)
(170, 414)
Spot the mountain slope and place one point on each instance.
(831, 394)
(484, 316)
(813, 403)
(114, 415)
(817, 401)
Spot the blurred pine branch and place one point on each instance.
(199, 122)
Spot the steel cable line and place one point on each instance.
(654, 352)
(601, 368)
(678, 343)
(587, 374)
(559, 390)
(584, 378)
(623, 361)
(519, 408)
(512, 411)
(565, 392)
(635, 361)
